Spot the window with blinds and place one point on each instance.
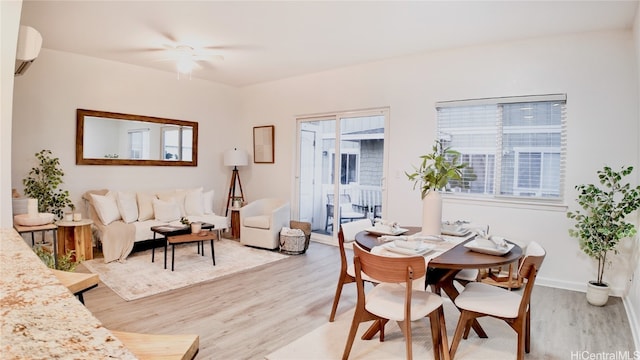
(515, 146)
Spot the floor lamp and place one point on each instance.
(235, 158)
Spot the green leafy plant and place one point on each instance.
(65, 262)
(437, 169)
(601, 224)
(43, 183)
(185, 221)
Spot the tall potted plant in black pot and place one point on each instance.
(601, 223)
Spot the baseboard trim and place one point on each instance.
(574, 286)
(633, 321)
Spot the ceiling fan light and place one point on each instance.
(185, 66)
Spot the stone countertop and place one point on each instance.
(40, 318)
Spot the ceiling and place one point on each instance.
(267, 40)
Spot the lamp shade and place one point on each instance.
(235, 157)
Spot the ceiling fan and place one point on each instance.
(187, 58)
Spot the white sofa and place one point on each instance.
(121, 218)
(261, 222)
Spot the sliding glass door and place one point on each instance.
(341, 169)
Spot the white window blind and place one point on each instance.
(515, 146)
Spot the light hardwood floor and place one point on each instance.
(249, 315)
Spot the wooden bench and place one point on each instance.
(77, 283)
(160, 347)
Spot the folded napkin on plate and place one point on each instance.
(498, 240)
(491, 242)
(452, 228)
(391, 238)
(408, 244)
(421, 237)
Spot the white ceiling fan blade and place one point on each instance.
(208, 57)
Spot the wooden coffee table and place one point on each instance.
(167, 230)
(200, 238)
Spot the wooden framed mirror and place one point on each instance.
(107, 138)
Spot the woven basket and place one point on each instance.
(296, 245)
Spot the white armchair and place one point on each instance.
(261, 222)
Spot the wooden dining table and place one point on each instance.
(443, 268)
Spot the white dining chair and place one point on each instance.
(347, 275)
(394, 298)
(479, 299)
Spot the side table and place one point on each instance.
(76, 235)
(44, 228)
(235, 222)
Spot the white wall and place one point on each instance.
(632, 300)
(10, 20)
(596, 71)
(47, 96)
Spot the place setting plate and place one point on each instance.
(421, 250)
(380, 232)
(458, 228)
(473, 245)
(455, 232)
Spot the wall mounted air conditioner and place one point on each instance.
(29, 44)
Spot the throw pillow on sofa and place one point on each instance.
(106, 208)
(128, 206)
(166, 211)
(194, 202)
(177, 197)
(145, 206)
(208, 202)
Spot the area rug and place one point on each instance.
(328, 341)
(138, 277)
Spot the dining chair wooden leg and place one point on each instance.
(381, 325)
(467, 330)
(408, 339)
(521, 339)
(350, 338)
(358, 317)
(465, 318)
(376, 327)
(436, 336)
(444, 341)
(336, 298)
(527, 344)
(439, 335)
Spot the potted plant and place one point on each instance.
(435, 172)
(65, 262)
(601, 224)
(43, 183)
(195, 226)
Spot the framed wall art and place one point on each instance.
(263, 144)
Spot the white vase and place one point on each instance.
(432, 213)
(597, 295)
(196, 227)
